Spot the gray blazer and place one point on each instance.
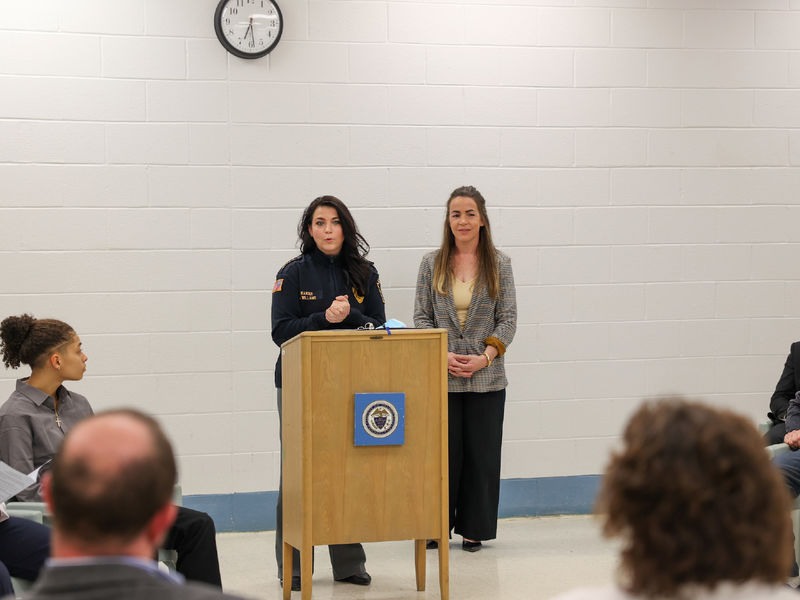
(486, 318)
(121, 582)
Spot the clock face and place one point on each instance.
(248, 28)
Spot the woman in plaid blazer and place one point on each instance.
(467, 287)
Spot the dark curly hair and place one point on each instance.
(354, 248)
(696, 501)
(27, 340)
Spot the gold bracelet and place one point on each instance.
(488, 359)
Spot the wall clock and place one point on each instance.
(248, 28)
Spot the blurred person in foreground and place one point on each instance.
(110, 492)
(701, 512)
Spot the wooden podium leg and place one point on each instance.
(287, 568)
(444, 567)
(419, 563)
(306, 567)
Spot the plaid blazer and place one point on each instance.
(486, 318)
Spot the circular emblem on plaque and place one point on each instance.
(379, 419)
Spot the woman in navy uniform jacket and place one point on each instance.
(331, 285)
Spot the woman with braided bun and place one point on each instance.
(40, 412)
(25, 545)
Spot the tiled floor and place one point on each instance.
(530, 559)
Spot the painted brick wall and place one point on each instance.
(640, 158)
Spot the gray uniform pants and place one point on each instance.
(346, 559)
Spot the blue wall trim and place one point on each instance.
(255, 511)
(548, 496)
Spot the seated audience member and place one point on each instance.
(24, 546)
(37, 415)
(788, 385)
(700, 511)
(789, 463)
(110, 492)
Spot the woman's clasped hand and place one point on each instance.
(338, 310)
(464, 365)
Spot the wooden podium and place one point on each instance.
(335, 492)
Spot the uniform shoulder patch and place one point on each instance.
(380, 291)
(278, 285)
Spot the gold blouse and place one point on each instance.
(462, 296)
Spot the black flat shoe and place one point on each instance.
(470, 546)
(364, 579)
(431, 545)
(295, 583)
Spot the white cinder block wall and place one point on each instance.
(640, 158)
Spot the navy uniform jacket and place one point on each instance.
(305, 287)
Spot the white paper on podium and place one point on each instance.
(12, 481)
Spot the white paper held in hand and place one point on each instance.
(12, 481)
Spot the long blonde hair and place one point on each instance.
(487, 253)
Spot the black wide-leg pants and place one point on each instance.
(475, 439)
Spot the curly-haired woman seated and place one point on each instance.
(40, 412)
(699, 508)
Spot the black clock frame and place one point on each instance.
(234, 50)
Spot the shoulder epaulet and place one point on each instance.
(290, 261)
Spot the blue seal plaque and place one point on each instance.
(380, 419)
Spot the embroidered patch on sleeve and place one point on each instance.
(380, 291)
(278, 286)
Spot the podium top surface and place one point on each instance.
(363, 333)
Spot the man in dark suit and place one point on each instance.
(110, 492)
(788, 385)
